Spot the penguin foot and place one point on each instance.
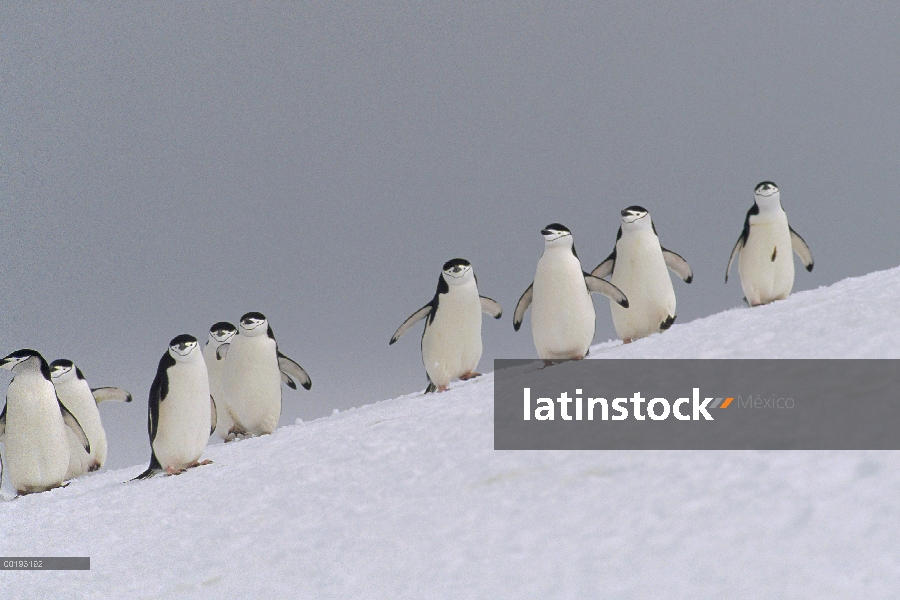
(236, 431)
(469, 376)
(94, 467)
(626, 341)
(174, 471)
(202, 462)
(442, 388)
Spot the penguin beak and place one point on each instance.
(546, 232)
(8, 363)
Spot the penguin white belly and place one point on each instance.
(641, 273)
(184, 418)
(37, 450)
(216, 371)
(766, 262)
(451, 344)
(253, 384)
(562, 313)
(77, 398)
(79, 460)
(96, 435)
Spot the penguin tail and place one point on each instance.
(152, 470)
(431, 388)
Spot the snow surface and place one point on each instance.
(406, 498)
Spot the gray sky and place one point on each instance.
(164, 167)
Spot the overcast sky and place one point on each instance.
(164, 167)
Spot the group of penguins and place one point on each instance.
(640, 292)
(232, 387)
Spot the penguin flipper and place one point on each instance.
(294, 371)
(522, 307)
(737, 246)
(73, 424)
(222, 351)
(490, 307)
(159, 389)
(678, 265)
(110, 393)
(802, 249)
(3, 423)
(605, 269)
(288, 381)
(595, 285)
(412, 320)
(214, 415)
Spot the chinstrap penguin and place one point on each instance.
(766, 264)
(562, 317)
(638, 265)
(181, 414)
(33, 425)
(254, 371)
(220, 333)
(75, 393)
(451, 340)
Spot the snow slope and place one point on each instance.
(407, 499)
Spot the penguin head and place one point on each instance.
(767, 196)
(457, 271)
(25, 358)
(221, 332)
(636, 217)
(62, 370)
(556, 234)
(253, 324)
(183, 348)
(765, 189)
